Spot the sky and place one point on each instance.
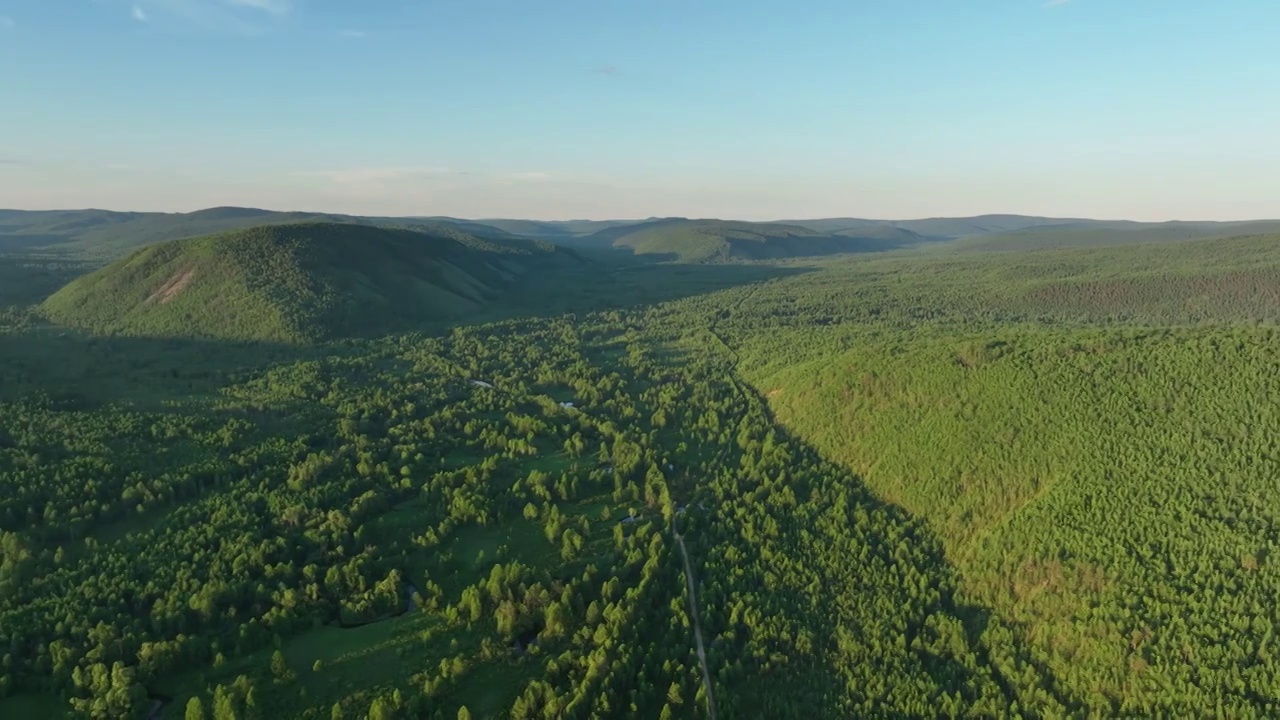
(557, 109)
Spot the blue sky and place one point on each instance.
(721, 108)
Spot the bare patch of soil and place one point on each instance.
(172, 287)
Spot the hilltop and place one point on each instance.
(297, 282)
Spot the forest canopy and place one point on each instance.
(909, 484)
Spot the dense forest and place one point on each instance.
(299, 282)
(918, 484)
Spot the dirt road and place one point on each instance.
(697, 625)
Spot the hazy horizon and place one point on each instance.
(745, 110)
(645, 218)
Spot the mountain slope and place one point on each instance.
(297, 283)
(1090, 431)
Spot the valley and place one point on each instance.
(348, 470)
(660, 361)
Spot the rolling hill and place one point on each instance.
(944, 228)
(297, 282)
(96, 237)
(1111, 235)
(1021, 232)
(103, 235)
(546, 229)
(724, 240)
(1088, 430)
(698, 241)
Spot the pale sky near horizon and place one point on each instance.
(751, 109)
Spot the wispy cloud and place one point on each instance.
(10, 161)
(6, 22)
(367, 175)
(353, 33)
(1056, 3)
(607, 70)
(393, 179)
(246, 17)
(275, 7)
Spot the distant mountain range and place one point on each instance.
(728, 240)
(105, 234)
(102, 235)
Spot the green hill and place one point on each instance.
(698, 241)
(1027, 232)
(102, 235)
(1088, 431)
(1103, 235)
(948, 228)
(548, 229)
(296, 283)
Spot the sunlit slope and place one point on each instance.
(1116, 492)
(1092, 433)
(296, 283)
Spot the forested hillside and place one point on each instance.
(297, 283)
(703, 241)
(1067, 236)
(95, 237)
(100, 236)
(529, 540)
(990, 484)
(1091, 433)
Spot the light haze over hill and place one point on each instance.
(97, 236)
